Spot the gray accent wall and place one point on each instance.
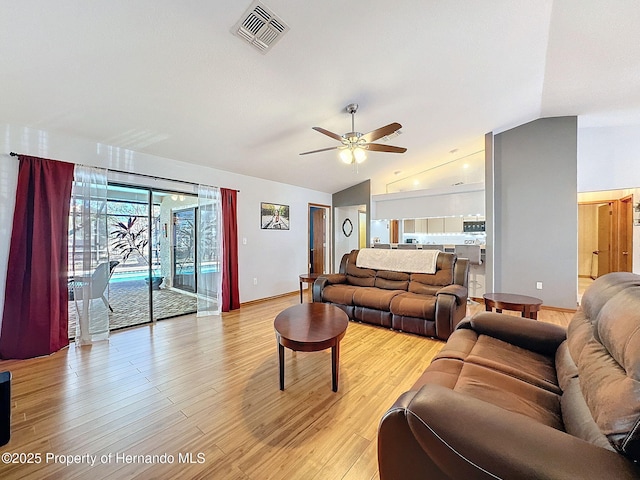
(359, 194)
(531, 208)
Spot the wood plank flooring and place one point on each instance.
(199, 398)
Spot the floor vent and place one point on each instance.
(260, 27)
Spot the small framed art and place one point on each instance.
(274, 216)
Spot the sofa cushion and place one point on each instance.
(362, 277)
(414, 305)
(601, 291)
(428, 284)
(510, 393)
(609, 370)
(495, 387)
(392, 280)
(340, 293)
(373, 297)
(576, 415)
(531, 367)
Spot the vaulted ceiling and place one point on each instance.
(169, 78)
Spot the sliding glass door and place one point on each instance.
(174, 247)
(129, 211)
(152, 250)
(184, 249)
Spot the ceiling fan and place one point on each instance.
(355, 144)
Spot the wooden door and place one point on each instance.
(625, 234)
(605, 217)
(318, 240)
(393, 231)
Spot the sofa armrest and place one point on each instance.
(464, 437)
(451, 308)
(461, 272)
(457, 291)
(540, 337)
(322, 281)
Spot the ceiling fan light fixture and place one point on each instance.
(359, 154)
(354, 145)
(346, 156)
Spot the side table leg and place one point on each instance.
(300, 292)
(281, 363)
(335, 360)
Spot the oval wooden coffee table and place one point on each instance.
(311, 327)
(529, 306)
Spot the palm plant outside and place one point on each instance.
(130, 238)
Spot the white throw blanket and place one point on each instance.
(411, 261)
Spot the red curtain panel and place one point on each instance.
(35, 317)
(230, 292)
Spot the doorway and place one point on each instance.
(605, 237)
(318, 252)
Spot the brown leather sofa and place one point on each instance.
(425, 304)
(514, 398)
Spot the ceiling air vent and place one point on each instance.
(260, 27)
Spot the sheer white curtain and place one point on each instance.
(90, 265)
(209, 234)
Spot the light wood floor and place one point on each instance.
(209, 388)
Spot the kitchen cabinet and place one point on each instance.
(435, 225)
(422, 225)
(409, 226)
(453, 224)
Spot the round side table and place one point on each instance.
(529, 306)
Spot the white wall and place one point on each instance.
(344, 244)
(275, 258)
(608, 158)
(380, 230)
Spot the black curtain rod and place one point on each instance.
(155, 177)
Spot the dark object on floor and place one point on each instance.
(5, 407)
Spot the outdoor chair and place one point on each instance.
(97, 283)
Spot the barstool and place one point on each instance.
(474, 254)
(407, 246)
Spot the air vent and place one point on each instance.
(260, 27)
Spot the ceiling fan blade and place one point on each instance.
(321, 150)
(380, 132)
(379, 147)
(329, 134)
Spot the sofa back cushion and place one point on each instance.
(429, 284)
(361, 277)
(392, 280)
(606, 351)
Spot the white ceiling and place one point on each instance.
(168, 78)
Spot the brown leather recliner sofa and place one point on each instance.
(513, 398)
(422, 303)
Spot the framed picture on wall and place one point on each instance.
(274, 216)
